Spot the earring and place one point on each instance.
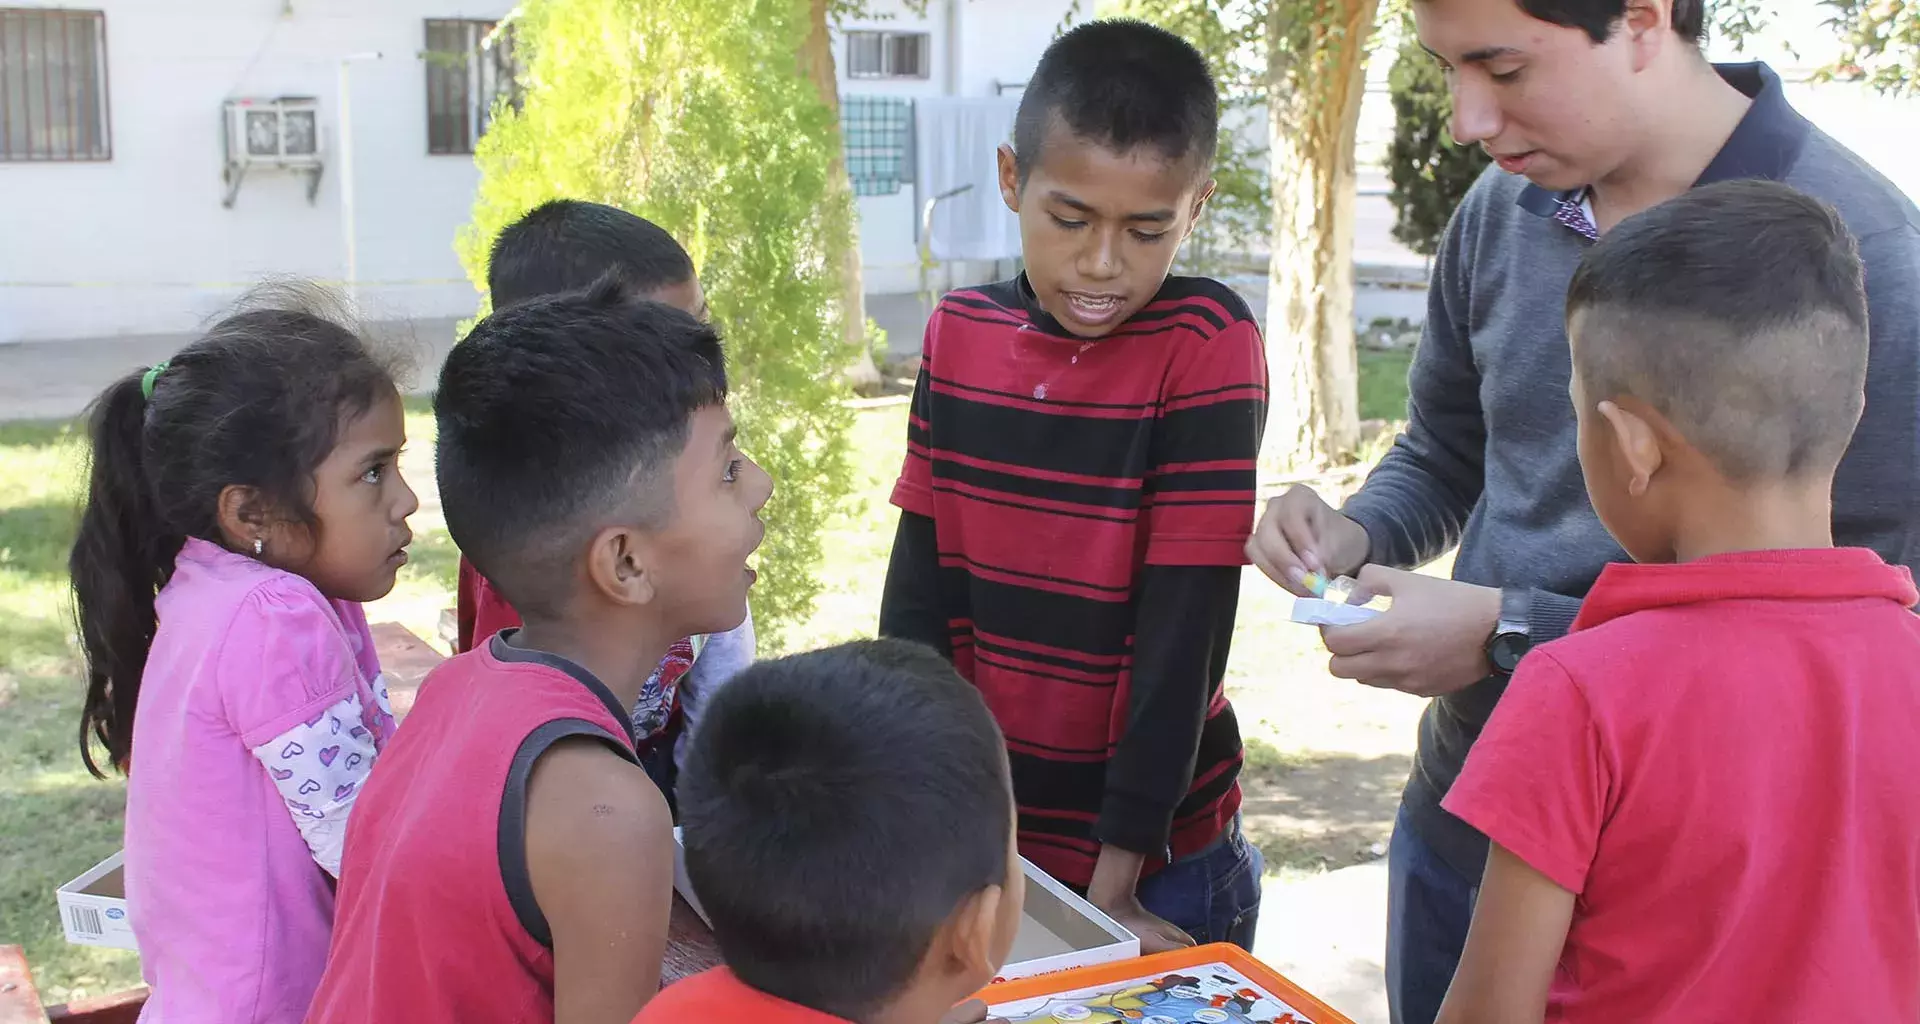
(258, 546)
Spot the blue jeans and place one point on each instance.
(1429, 906)
(1213, 895)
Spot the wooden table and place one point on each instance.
(690, 945)
(406, 659)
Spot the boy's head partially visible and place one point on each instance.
(1110, 165)
(587, 466)
(848, 822)
(1719, 367)
(566, 245)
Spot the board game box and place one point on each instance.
(1214, 984)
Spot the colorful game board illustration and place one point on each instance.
(1206, 994)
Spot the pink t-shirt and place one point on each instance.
(230, 910)
(1723, 763)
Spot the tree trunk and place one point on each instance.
(1316, 78)
(816, 57)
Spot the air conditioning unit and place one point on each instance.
(281, 134)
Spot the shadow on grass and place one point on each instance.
(35, 538)
(1320, 811)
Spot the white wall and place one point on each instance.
(141, 244)
(997, 41)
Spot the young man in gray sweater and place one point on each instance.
(1594, 110)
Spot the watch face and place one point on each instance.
(1505, 652)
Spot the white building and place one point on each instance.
(114, 170)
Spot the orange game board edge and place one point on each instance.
(1161, 963)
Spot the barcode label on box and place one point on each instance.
(85, 921)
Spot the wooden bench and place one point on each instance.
(20, 999)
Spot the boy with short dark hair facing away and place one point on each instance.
(565, 245)
(512, 862)
(1079, 483)
(1704, 802)
(848, 824)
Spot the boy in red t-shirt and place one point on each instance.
(511, 861)
(1704, 803)
(849, 829)
(565, 246)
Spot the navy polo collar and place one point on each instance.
(1765, 144)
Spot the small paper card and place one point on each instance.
(1314, 611)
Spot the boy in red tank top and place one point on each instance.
(849, 826)
(513, 862)
(1704, 802)
(565, 245)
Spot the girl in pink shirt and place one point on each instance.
(244, 499)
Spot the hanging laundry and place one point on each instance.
(878, 131)
(955, 142)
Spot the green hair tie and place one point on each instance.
(146, 383)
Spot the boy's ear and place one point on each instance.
(1009, 176)
(1199, 206)
(617, 564)
(966, 942)
(1636, 431)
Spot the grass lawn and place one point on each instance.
(1326, 759)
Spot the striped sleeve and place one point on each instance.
(913, 492)
(1201, 490)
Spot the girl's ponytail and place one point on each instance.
(256, 403)
(122, 556)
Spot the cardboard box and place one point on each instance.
(93, 907)
(1058, 931)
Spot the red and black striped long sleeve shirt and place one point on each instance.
(1074, 515)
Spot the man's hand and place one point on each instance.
(1432, 641)
(1300, 533)
(973, 1011)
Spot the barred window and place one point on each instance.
(53, 85)
(873, 54)
(469, 67)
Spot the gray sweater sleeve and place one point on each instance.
(1416, 501)
(1415, 504)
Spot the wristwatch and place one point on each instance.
(1511, 637)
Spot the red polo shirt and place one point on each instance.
(719, 996)
(1723, 763)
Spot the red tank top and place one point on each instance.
(436, 918)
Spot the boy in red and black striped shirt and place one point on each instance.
(1079, 484)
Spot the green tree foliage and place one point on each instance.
(1231, 36)
(696, 115)
(1879, 39)
(1430, 174)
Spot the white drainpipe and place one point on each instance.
(953, 46)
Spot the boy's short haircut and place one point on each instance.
(566, 245)
(838, 806)
(1738, 311)
(560, 416)
(1122, 84)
